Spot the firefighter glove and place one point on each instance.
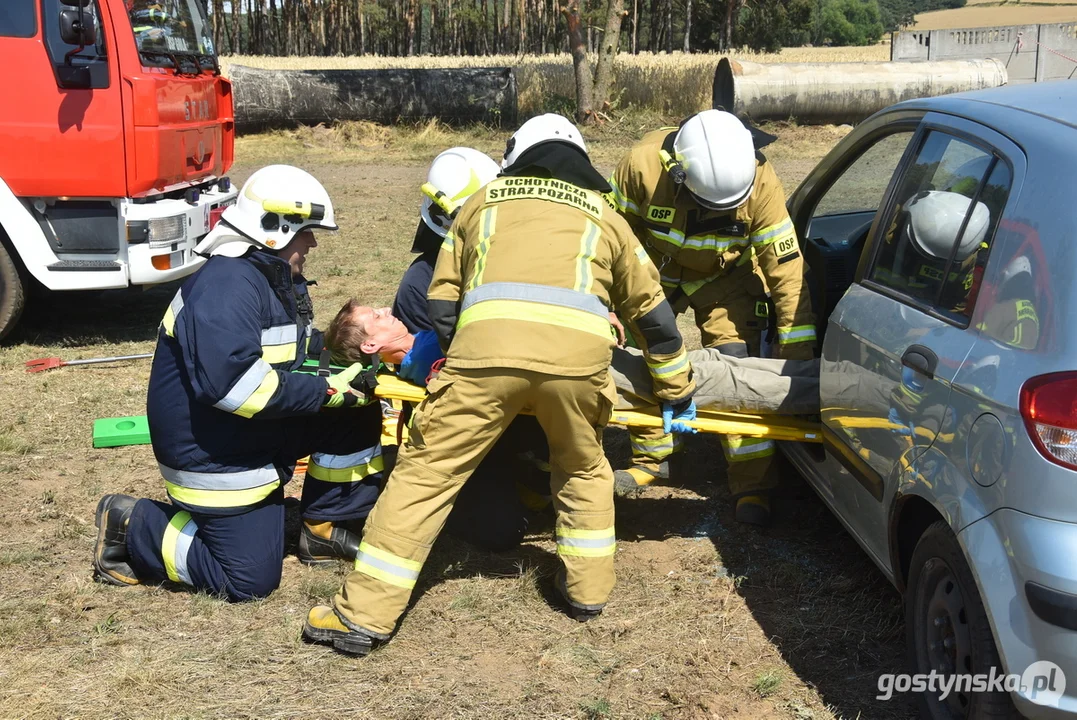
(423, 354)
(675, 414)
(339, 392)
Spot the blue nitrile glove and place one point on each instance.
(896, 419)
(424, 352)
(674, 415)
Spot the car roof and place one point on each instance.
(1055, 100)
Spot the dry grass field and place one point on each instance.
(708, 620)
(990, 14)
(676, 84)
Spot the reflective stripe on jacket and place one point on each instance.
(526, 278)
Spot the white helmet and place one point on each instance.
(453, 177)
(276, 203)
(550, 127)
(717, 154)
(935, 217)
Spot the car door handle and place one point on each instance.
(921, 359)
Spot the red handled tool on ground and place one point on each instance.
(50, 363)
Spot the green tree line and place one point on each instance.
(486, 27)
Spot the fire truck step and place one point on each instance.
(84, 266)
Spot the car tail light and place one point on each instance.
(1049, 408)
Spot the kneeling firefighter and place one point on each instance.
(229, 415)
(520, 301)
(710, 211)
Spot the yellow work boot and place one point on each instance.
(754, 510)
(324, 543)
(110, 552)
(323, 626)
(628, 483)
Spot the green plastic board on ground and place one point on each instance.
(120, 431)
(135, 430)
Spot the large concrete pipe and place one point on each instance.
(820, 93)
(286, 98)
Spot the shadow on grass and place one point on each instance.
(73, 319)
(816, 595)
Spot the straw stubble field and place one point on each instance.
(708, 620)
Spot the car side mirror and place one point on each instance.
(77, 28)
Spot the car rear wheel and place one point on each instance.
(947, 630)
(12, 292)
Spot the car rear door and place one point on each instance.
(898, 337)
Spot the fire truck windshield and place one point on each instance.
(168, 29)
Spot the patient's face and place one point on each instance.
(386, 335)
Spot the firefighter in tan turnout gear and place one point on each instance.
(710, 211)
(520, 300)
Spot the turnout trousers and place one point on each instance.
(238, 553)
(462, 417)
(734, 326)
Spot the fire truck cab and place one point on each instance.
(117, 135)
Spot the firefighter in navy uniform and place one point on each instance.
(520, 301)
(229, 416)
(710, 211)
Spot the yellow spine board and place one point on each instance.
(726, 423)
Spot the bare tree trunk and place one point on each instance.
(521, 11)
(635, 26)
(580, 64)
(655, 26)
(506, 26)
(669, 27)
(362, 30)
(409, 27)
(727, 30)
(611, 45)
(687, 25)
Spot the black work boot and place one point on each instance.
(110, 552)
(324, 626)
(324, 543)
(580, 613)
(629, 483)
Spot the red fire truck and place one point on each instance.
(117, 134)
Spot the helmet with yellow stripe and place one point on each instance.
(276, 203)
(453, 177)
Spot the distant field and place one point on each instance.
(672, 85)
(988, 14)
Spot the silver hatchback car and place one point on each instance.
(942, 239)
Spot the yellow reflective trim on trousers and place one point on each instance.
(168, 543)
(260, 397)
(536, 312)
(585, 277)
(346, 475)
(274, 354)
(220, 498)
(586, 543)
(487, 223)
(741, 449)
(385, 566)
(668, 368)
(449, 242)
